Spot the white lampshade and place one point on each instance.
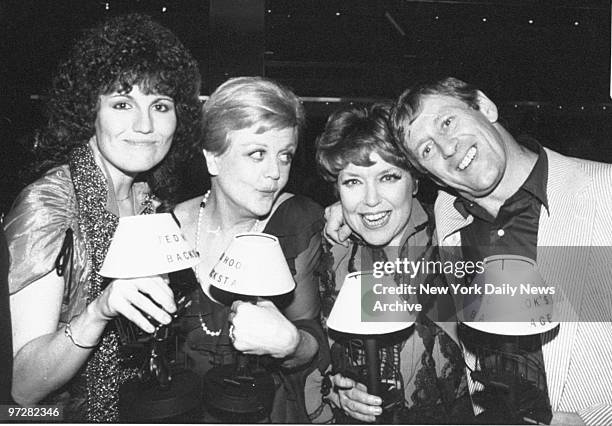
(252, 265)
(146, 245)
(353, 310)
(504, 313)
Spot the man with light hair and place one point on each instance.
(502, 196)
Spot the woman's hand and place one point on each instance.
(336, 231)
(134, 298)
(45, 358)
(354, 399)
(261, 329)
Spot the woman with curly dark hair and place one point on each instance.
(130, 50)
(122, 109)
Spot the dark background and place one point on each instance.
(545, 63)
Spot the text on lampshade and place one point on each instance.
(182, 256)
(170, 238)
(230, 261)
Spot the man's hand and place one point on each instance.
(354, 399)
(336, 231)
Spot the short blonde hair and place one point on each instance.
(243, 102)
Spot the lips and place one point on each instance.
(140, 142)
(467, 160)
(375, 220)
(268, 192)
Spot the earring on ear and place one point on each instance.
(415, 190)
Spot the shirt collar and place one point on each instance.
(536, 183)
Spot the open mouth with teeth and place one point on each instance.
(467, 160)
(376, 220)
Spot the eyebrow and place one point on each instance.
(344, 173)
(422, 142)
(389, 170)
(253, 144)
(163, 98)
(415, 119)
(249, 144)
(129, 96)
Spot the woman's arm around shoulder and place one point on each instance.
(303, 219)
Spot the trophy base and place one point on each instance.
(230, 395)
(507, 399)
(179, 402)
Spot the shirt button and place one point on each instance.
(501, 232)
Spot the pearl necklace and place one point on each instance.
(200, 214)
(254, 228)
(196, 268)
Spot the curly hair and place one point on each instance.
(114, 56)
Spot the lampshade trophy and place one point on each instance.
(253, 266)
(142, 246)
(353, 315)
(505, 327)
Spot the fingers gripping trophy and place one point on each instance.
(143, 247)
(252, 268)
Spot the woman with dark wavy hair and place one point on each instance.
(122, 108)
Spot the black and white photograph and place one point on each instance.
(316, 211)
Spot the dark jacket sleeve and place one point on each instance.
(298, 223)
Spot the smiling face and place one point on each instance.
(253, 170)
(134, 130)
(458, 145)
(376, 200)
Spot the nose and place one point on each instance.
(448, 146)
(273, 169)
(372, 197)
(143, 123)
